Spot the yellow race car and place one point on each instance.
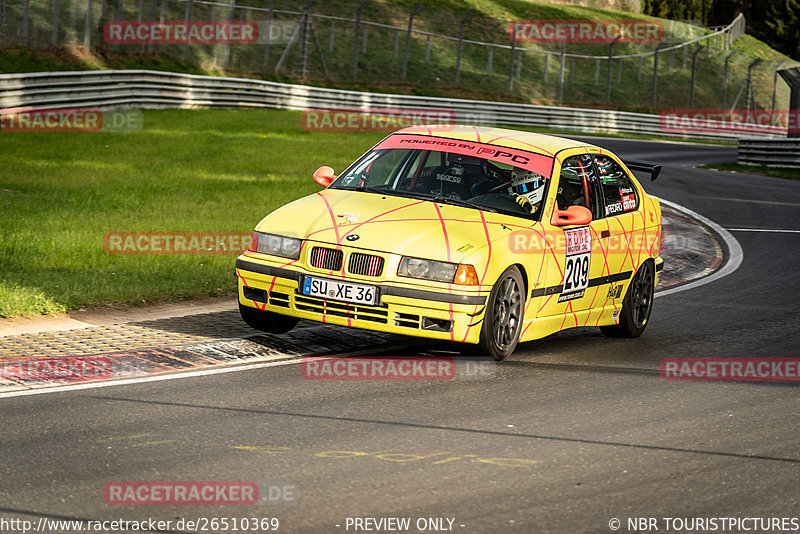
(480, 236)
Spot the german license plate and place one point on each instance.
(339, 290)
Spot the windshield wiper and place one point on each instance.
(463, 203)
(376, 190)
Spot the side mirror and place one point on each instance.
(324, 176)
(573, 215)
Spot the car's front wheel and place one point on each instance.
(636, 306)
(503, 318)
(272, 323)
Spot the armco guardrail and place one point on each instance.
(778, 152)
(156, 89)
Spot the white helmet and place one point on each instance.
(527, 184)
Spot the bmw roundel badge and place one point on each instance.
(353, 237)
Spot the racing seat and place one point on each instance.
(455, 178)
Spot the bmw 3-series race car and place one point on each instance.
(476, 235)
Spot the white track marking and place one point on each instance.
(735, 253)
(151, 378)
(772, 230)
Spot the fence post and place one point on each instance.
(489, 61)
(749, 96)
(152, 17)
(428, 50)
(694, 68)
(685, 52)
(357, 35)
(87, 25)
(300, 26)
(460, 45)
(227, 52)
(511, 64)
(396, 44)
(304, 27)
(25, 21)
(56, 10)
(189, 9)
(639, 70)
(3, 25)
(519, 63)
(655, 75)
(333, 35)
(610, 67)
(725, 80)
(364, 40)
(597, 71)
(408, 39)
(561, 71)
(619, 72)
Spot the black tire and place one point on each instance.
(502, 321)
(636, 306)
(272, 323)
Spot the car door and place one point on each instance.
(620, 228)
(573, 261)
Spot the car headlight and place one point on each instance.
(438, 271)
(275, 245)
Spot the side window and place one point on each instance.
(577, 171)
(618, 191)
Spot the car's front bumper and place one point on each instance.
(407, 309)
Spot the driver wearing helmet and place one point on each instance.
(527, 187)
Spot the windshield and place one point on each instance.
(485, 183)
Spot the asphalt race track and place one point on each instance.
(573, 431)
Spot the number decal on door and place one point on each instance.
(577, 262)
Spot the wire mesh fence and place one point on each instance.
(379, 45)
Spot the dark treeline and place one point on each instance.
(776, 22)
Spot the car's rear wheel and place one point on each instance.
(272, 323)
(636, 306)
(503, 318)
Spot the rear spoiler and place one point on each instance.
(654, 170)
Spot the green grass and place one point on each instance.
(777, 172)
(209, 170)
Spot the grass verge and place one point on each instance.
(199, 171)
(766, 170)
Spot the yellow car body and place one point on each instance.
(354, 227)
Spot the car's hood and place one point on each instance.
(390, 224)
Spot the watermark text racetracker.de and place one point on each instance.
(398, 368)
(373, 120)
(165, 32)
(69, 120)
(736, 122)
(586, 31)
(62, 369)
(731, 369)
(167, 243)
(206, 493)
